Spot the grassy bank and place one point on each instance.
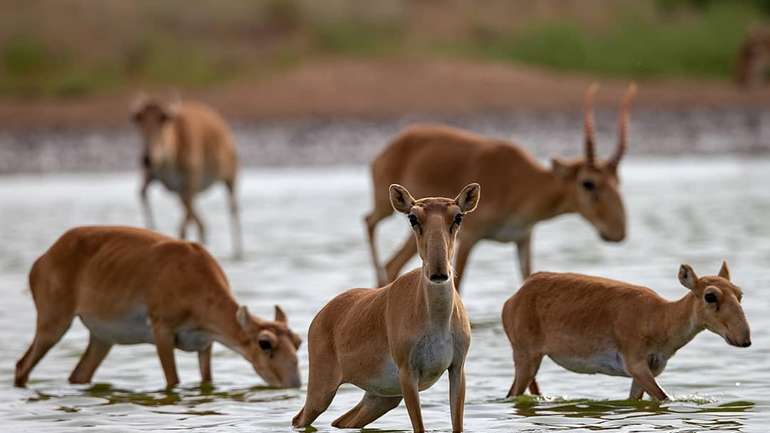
(73, 48)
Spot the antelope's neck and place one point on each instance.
(222, 323)
(437, 302)
(680, 324)
(549, 197)
(169, 138)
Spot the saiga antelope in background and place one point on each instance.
(131, 286)
(595, 325)
(518, 191)
(187, 147)
(396, 341)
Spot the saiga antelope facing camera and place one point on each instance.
(131, 286)
(396, 341)
(518, 191)
(187, 147)
(595, 325)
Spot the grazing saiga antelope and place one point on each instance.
(595, 325)
(187, 147)
(131, 286)
(518, 191)
(396, 341)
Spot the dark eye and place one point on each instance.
(589, 185)
(265, 345)
(710, 298)
(413, 220)
(458, 219)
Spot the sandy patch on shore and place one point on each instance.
(380, 88)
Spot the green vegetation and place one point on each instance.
(699, 45)
(79, 47)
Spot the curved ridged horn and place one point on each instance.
(588, 124)
(623, 117)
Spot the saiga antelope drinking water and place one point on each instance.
(396, 341)
(131, 286)
(187, 147)
(518, 191)
(596, 325)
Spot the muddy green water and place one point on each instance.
(305, 243)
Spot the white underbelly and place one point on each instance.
(609, 363)
(134, 328)
(431, 357)
(509, 232)
(174, 181)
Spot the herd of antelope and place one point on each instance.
(132, 285)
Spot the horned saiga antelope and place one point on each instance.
(518, 191)
(396, 341)
(187, 147)
(595, 325)
(130, 286)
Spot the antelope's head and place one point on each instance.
(594, 183)
(436, 222)
(155, 120)
(718, 305)
(271, 347)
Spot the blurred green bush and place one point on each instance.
(71, 48)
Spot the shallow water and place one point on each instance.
(305, 243)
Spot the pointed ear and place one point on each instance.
(243, 317)
(562, 169)
(400, 198)
(687, 277)
(724, 271)
(280, 316)
(468, 198)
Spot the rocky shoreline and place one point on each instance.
(355, 140)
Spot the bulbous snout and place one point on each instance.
(290, 380)
(439, 278)
(615, 236)
(742, 341)
(293, 382)
(437, 267)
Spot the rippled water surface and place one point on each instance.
(305, 243)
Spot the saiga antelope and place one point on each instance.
(397, 340)
(131, 286)
(595, 325)
(518, 191)
(187, 147)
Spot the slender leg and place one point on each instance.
(636, 393)
(524, 251)
(164, 343)
(534, 388)
(461, 260)
(49, 331)
(457, 396)
(526, 366)
(204, 364)
(95, 353)
(412, 398)
(235, 219)
(323, 380)
(149, 221)
(369, 409)
(191, 215)
(371, 221)
(406, 252)
(642, 375)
